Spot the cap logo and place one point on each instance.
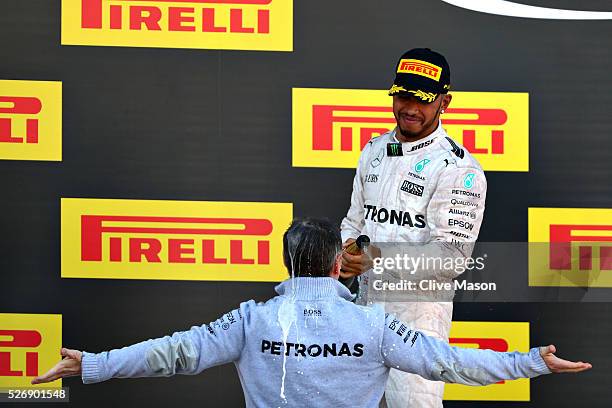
(395, 89)
(418, 67)
(425, 96)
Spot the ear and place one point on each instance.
(335, 272)
(446, 100)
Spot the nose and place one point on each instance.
(408, 104)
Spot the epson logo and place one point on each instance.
(403, 218)
(412, 188)
(463, 224)
(512, 9)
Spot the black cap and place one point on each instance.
(423, 73)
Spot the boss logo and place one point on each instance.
(412, 188)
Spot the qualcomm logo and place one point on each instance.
(512, 9)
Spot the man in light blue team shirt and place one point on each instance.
(311, 329)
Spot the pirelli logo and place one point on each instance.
(498, 336)
(418, 67)
(30, 120)
(211, 24)
(182, 240)
(29, 346)
(570, 247)
(332, 126)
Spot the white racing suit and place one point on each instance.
(434, 192)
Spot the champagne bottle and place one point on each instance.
(360, 244)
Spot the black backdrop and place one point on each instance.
(210, 125)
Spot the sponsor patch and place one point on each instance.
(418, 67)
(412, 188)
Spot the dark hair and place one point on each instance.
(310, 247)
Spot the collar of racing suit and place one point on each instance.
(313, 288)
(410, 147)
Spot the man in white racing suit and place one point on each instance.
(415, 185)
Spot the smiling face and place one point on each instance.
(415, 118)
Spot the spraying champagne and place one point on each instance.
(360, 245)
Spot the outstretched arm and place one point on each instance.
(188, 352)
(433, 359)
(70, 366)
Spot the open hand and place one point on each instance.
(558, 365)
(68, 367)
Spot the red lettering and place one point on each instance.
(208, 22)
(263, 252)
(91, 238)
(147, 247)
(484, 117)
(19, 338)
(115, 18)
(560, 251)
(497, 142)
(236, 22)
(5, 366)
(605, 258)
(5, 132)
(263, 21)
(323, 119)
(31, 364)
(91, 13)
(115, 249)
(208, 253)
(176, 19)
(92, 229)
(179, 18)
(325, 116)
(346, 139)
(19, 106)
(365, 135)
(151, 19)
(176, 250)
(469, 142)
(236, 253)
(483, 343)
(585, 258)
(31, 130)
